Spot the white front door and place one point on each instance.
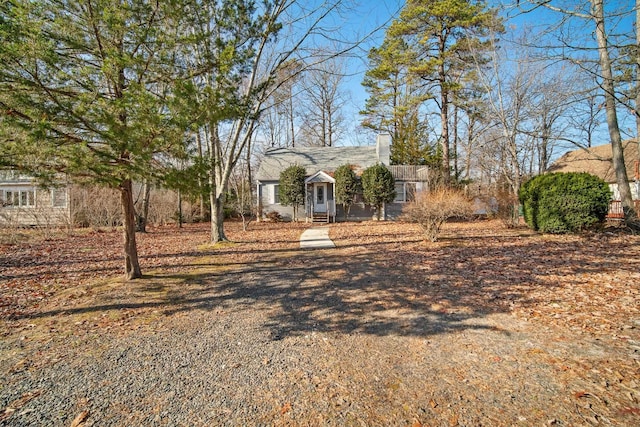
(320, 197)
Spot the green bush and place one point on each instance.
(292, 188)
(378, 187)
(564, 202)
(347, 186)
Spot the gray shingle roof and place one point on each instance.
(314, 159)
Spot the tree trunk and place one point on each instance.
(132, 266)
(454, 142)
(203, 214)
(612, 117)
(444, 113)
(637, 106)
(444, 139)
(217, 218)
(180, 221)
(143, 217)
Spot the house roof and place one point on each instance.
(314, 159)
(597, 161)
(9, 176)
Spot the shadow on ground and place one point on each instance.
(371, 288)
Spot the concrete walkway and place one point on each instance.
(316, 238)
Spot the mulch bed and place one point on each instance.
(487, 326)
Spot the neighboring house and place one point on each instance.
(23, 203)
(320, 163)
(598, 161)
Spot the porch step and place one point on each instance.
(320, 218)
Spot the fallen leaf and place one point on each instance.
(80, 419)
(286, 408)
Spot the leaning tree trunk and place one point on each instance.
(612, 118)
(132, 265)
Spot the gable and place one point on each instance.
(319, 177)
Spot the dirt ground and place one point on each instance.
(487, 326)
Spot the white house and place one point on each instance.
(320, 163)
(24, 203)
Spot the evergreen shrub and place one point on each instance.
(564, 202)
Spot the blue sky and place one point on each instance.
(367, 16)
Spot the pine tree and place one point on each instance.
(433, 40)
(85, 90)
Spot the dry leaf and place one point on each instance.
(80, 419)
(286, 408)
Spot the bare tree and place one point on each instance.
(323, 98)
(593, 12)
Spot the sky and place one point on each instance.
(370, 15)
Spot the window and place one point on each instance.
(59, 197)
(276, 193)
(22, 198)
(320, 194)
(405, 192)
(399, 187)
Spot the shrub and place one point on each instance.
(347, 186)
(507, 207)
(378, 186)
(292, 188)
(431, 210)
(564, 202)
(273, 216)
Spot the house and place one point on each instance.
(320, 163)
(598, 161)
(24, 203)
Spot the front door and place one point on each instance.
(320, 197)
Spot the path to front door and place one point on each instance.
(316, 238)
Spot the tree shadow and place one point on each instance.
(372, 288)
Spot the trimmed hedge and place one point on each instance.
(378, 186)
(564, 202)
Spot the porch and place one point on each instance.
(320, 205)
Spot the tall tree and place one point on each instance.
(85, 90)
(441, 34)
(323, 99)
(394, 103)
(593, 12)
(230, 37)
(237, 68)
